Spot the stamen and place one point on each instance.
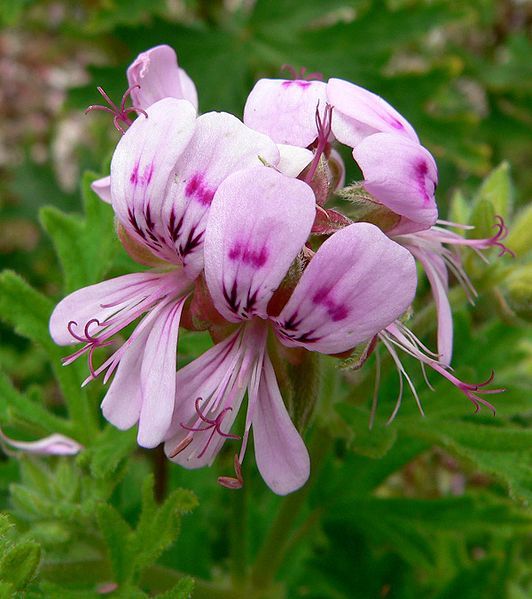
(211, 424)
(302, 74)
(120, 114)
(181, 446)
(324, 127)
(394, 335)
(230, 482)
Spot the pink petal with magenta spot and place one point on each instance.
(402, 175)
(258, 223)
(285, 110)
(358, 113)
(142, 167)
(157, 73)
(220, 146)
(358, 282)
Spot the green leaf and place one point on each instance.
(373, 443)
(411, 524)
(159, 526)
(25, 309)
(28, 312)
(497, 188)
(482, 218)
(182, 590)
(117, 535)
(85, 246)
(519, 239)
(108, 449)
(29, 410)
(19, 564)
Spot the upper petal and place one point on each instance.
(142, 165)
(285, 110)
(402, 175)
(358, 113)
(358, 282)
(159, 77)
(220, 146)
(259, 221)
(293, 159)
(281, 455)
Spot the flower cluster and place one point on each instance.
(232, 219)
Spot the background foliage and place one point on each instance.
(435, 506)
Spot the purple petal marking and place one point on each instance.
(143, 179)
(196, 188)
(298, 83)
(421, 170)
(335, 310)
(246, 254)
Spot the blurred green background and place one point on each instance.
(435, 507)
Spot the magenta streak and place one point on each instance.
(421, 170)
(145, 178)
(247, 255)
(196, 188)
(298, 83)
(335, 310)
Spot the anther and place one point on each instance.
(231, 482)
(120, 113)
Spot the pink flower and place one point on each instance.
(284, 110)
(152, 76)
(398, 173)
(164, 174)
(357, 283)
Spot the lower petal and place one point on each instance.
(281, 455)
(158, 375)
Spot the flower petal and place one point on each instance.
(102, 188)
(216, 380)
(122, 403)
(55, 444)
(142, 166)
(436, 272)
(220, 146)
(259, 221)
(281, 455)
(159, 77)
(158, 375)
(285, 110)
(358, 113)
(293, 159)
(402, 175)
(101, 301)
(358, 282)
